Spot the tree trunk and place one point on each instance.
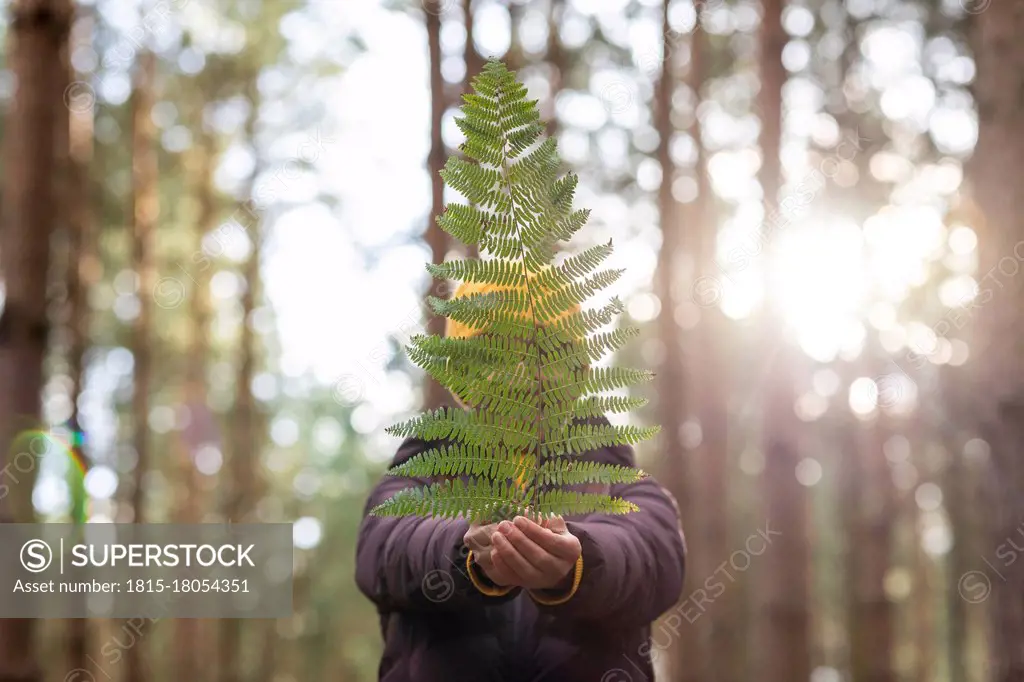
(686, 658)
(189, 501)
(474, 61)
(245, 440)
(557, 63)
(515, 58)
(957, 490)
(436, 238)
(708, 392)
(997, 167)
(83, 271)
(38, 32)
(923, 600)
(784, 629)
(145, 209)
(869, 556)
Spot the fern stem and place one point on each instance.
(538, 417)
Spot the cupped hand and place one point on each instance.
(478, 540)
(537, 556)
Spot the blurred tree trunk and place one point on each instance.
(783, 642)
(474, 61)
(557, 64)
(923, 601)
(686, 661)
(144, 212)
(998, 165)
(868, 561)
(83, 272)
(436, 238)
(244, 433)
(515, 58)
(38, 32)
(957, 490)
(189, 499)
(474, 65)
(710, 377)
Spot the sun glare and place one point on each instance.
(819, 283)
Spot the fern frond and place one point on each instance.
(478, 500)
(458, 460)
(500, 272)
(482, 428)
(560, 472)
(579, 438)
(598, 380)
(523, 351)
(593, 406)
(569, 502)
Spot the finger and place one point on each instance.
(504, 571)
(556, 524)
(511, 557)
(562, 545)
(479, 537)
(486, 565)
(545, 562)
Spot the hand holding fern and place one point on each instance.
(524, 553)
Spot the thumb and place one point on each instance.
(556, 524)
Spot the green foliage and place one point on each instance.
(524, 365)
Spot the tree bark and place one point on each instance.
(557, 64)
(189, 500)
(996, 169)
(710, 378)
(869, 555)
(38, 32)
(144, 211)
(686, 654)
(436, 395)
(83, 271)
(474, 61)
(245, 440)
(783, 642)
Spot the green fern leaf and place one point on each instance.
(522, 359)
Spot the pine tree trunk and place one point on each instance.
(145, 209)
(37, 34)
(870, 556)
(957, 491)
(783, 641)
(515, 58)
(924, 616)
(474, 61)
(686, 654)
(241, 469)
(996, 170)
(189, 502)
(851, 481)
(436, 238)
(82, 274)
(557, 64)
(708, 393)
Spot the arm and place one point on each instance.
(633, 565)
(411, 562)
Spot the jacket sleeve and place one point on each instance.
(633, 564)
(414, 563)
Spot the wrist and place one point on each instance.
(564, 591)
(482, 582)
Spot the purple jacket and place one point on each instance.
(438, 627)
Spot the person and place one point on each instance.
(559, 600)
